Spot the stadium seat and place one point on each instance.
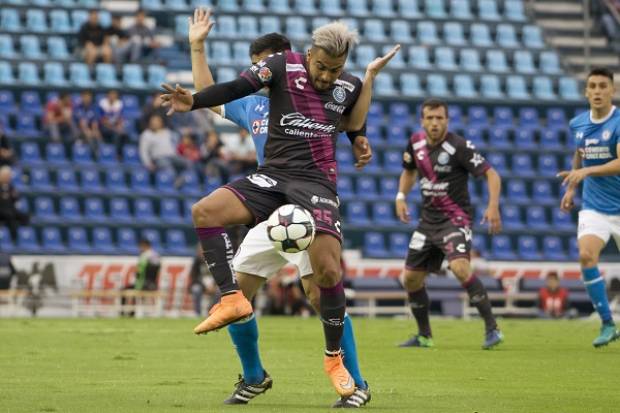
(248, 27)
(28, 74)
(94, 210)
(499, 138)
(374, 245)
(553, 249)
(502, 116)
(270, 24)
(506, 36)
(30, 103)
(153, 236)
(140, 181)
(460, 9)
(470, 61)
(7, 49)
(164, 182)
(437, 85)
(496, 61)
(296, 28)
(90, 181)
(490, 87)
(409, 9)
(453, 34)
(550, 63)
(52, 241)
(357, 214)
(59, 22)
(384, 85)
(7, 102)
(528, 118)
(366, 188)
(9, 20)
(397, 134)
(133, 76)
(78, 241)
(435, 9)
(119, 210)
(501, 248)
(474, 135)
(30, 153)
(511, 217)
(226, 27)
(81, 154)
(524, 62)
(464, 86)
(400, 31)
(54, 74)
(170, 212)
(513, 10)
(549, 139)
(388, 187)
(547, 165)
(105, 74)
(419, 57)
(102, 241)
(176, 243)
(79, 75)
(156, 75)
(556, 118)
(115, 181)
(127, 241)
(477, 116)
(516, 191)
(522, 165)
(181, 26)
(78, 18)
(524, 139)
(536, 218)
(543, 88)
(364, 54)
(480, 35)
(528, 248)
(70, 209)
(55, 154)
(44, 209)
(399, 244)
(383, 213)
(445, 59)
(562, 221)
(27, 126)
(66, 180)
(40, 180)
(6, 243)
(27, 241)
(487, 10)
(31, 48)
(374, 30)
(345, 187)
(532, 37)
(517, 88)
(427, 33)
(542, 193)
(143, 211)
(357, 8)
(568, 89)
(131, 156)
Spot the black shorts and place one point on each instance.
(267, 189)
(431, 243)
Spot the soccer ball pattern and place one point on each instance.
(290, 228)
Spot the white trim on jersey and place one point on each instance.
(295, 67)
(605, 119)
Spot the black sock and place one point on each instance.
(333, 305)
(419, 303)
(218, 254)
(478, 297)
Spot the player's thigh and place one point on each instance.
(422, 258)
(219, 208)
(413, 280)
(256, 255)
(249, 284)
(324, 255)
(322, 202)
(593, 233)
(312, 292)
(461, 268)
(590, 247)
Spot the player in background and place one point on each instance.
(256, 259)
(597, 137)
(309, 95)
(444, 162)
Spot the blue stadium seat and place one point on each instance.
(547, 165)
(427, 33)
(542, 193)
(191, 183)
(226, 27)
(383, 213)
(524, 62)
(9, 20)
(396, 134)
(31, 48)
(502, 116)
(66, 180)
(561, 221)
(140, 181)
(496, 61)
(40, 180)
(474, 135)
(528, 248)
(501, 248)
(270, 24)
(78, 241)
(553, 249)
(480, 35)
(398, 61)
(240, 52)
(445, 59)
(388, 187)
(27, 126)
(30, 153)
(102, 241)
(513, 10)
(549, 63)
(28, 74)
(7, 102)
(522, 165)
(248, 27)
(511, 217)
(344, 157)
(27, 241)
(409, 9)
(477, 116)
(506, 36)
(568, 89)
(131, 157)
(7, 49)
(30, 103)
(176, 244)
(499, 138)
(374, 245)
(543, 88)
(470, 61)
(382, 8)
(374, 30)
(464, 86)
(296, 28)
(400, 31)
(255, 6)
(479, 243)
(54, 74)
(131, 107)
(399, 114)
(556, 118)
(516, 191)
(528, 118)
(127, 241)
(156, 75)
(456, 116)
(453, 34)
(52, 241)
(532, 37)
(44, 209)
(305, 7)
(487, 10)
(151, 4)
(358, 8)
(176, 5)
(79, 17)
(399, 244)
(435, 9)
(170, 212)
(164, 182)
(90, 181)
(384, 85)
(81, 154)
(357, 214)
(105, 73)
(517, 88)
(419, 57)
(115, 180)
(549, 139)
(59, 21)
(437, 85)
(364, 54)
(79, 75)
(70, 209)
(94, 210)
(524, 139)
(153, 236)
(366, 187)
(345, 187)
(133, 76)
(536, 218)
(143, 210)
(181, 26)
(460, 9)
(119, 210)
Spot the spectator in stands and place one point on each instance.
(8, 279)
(158, 149)
(240, 152)
(9, 214)
(188, 149)
(111, 121)
(86, 118)
(92, 40)
(212, 157)
(201, 283)
(7, 156)
(118, 39)
(142, 38)
(147, 271)
(553, 299)
(154, 107)
(285, 296)
(58, 119)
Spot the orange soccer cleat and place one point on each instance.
(232, 307)
(339, 376)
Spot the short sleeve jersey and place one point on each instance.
(443, 173)
(303, 121)
(252, 114)
(597, 142)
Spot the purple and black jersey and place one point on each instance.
(444, 171)
(303, 122)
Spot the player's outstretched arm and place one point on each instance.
(405, 183)
(491, 214)
(199, 27)
(574, 177)
(358, 114)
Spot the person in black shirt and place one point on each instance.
(118, 39)
(92, 40)
(443, 161)
(7, 156)
(9, 214)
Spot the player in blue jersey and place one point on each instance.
(256, 259)
(597, 137)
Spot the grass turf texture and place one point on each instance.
(158, 365)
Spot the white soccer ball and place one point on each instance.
(290, 228)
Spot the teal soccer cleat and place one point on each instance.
(492, 339)
(608, 334)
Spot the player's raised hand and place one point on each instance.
(402, 211)
(177, 99)
(200, 25)
(362, 152)
(493, 217)
(379, 63)
(567, 203)
(573, 178)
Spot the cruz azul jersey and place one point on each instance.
(303, 122)
(597, 142)
(443, 172)
(252, 114)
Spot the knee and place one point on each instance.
(412, 281)
(201, 213)
(327, 275)
(587, 258)
(461, 270)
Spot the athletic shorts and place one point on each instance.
(257, 256)
(430, 244)
(267, 189)
(601, 225)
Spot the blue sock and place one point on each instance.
(350, 353)
(245, 338)
(595, 285)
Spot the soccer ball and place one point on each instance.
(290, 228)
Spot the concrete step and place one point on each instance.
(570, 25)
(607, 61)
(563, 7)
(576, 41)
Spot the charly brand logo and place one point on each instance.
(299, 120)
(339, 94)
(300, 82)
(333, 107)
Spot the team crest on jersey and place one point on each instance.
(339, 94)
(443, 158)
(255, 127)
(264, 74)
(606, 135)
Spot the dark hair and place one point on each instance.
(601, 71)
(553, 274)
(434, 103)
(275, 42)
(144, 241)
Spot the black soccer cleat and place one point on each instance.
(245, 392)
(358, 399)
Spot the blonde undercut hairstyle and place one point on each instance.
(335, 38)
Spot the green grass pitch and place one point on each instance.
(158, 365)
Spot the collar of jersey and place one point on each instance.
(606, 118)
